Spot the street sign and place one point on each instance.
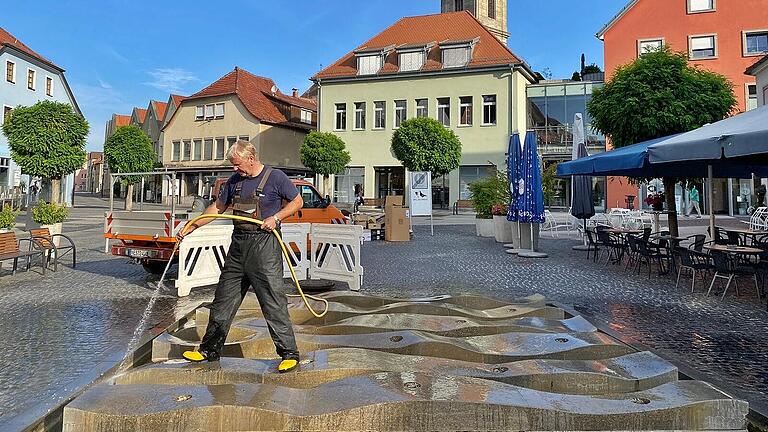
(421, 194)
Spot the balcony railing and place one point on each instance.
(552, 140)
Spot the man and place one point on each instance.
(255, 256)
(693, 197)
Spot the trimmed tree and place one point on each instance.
(128, 150)
(325, 154)
(47, 140)
(423, 144)
(659, 94)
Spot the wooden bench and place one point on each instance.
(47, 241)
(10, 250)
(461, 204)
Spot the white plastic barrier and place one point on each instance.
(295, 236)
(336, 254)
(759, 219)
(202, 255)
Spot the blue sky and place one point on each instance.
(121, 53)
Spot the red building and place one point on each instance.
(724, 36)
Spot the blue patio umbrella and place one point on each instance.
(531, 191)
(514, 159)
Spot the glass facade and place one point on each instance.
(349, 185)
(551, 110)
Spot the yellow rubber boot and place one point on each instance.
(194, 356)
(287, 365)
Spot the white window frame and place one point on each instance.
(48, 79)
(7, 62)
(213, 149)
(216, 114)
(229, 142)
(176, 155)
(416, 106)
(379, 108)
(744, 35)
(421, 57)
(443, 52)
(495, 105)
(746, 95)
(378, 59)
(640, 43)
(336, 112)
(199, 112)
(306, 116)
(356, 126)
(186, 144)
(437, 111)
(197, 144)
(463, 105)
(34, 79)
(700, 36)
(403, 111)
(216, 141)
(212, 112)
(691, 11)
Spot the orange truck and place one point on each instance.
(148, 237)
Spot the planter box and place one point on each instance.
(502, 229)
(484, 227)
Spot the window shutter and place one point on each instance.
(702, 43)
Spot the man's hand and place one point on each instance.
(187, 230)
(269, 224)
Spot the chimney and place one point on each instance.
(295, 92)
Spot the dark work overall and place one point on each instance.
(254, 259)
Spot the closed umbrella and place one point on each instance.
(514, 160)
(582, 202)
(531, 192)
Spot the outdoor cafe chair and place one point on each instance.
(693, 261)
(728, 269)
(697, 242)
(648, 254)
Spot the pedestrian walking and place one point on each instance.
(255, 256)
(693, 202)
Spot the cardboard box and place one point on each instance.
(397, 221)
(393, 200)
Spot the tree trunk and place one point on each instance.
(326, 182)
(669, 197)
(55, 190)
(129, 198)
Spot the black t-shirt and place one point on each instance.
(278, 188)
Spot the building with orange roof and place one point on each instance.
(240, 105)
(446, 66)
(28, 78)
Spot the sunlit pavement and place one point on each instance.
(61, 329)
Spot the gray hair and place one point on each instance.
(243, 149)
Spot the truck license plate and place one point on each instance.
(137, 253)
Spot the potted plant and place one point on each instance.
(7, 218)
(51, 216)
(502, 230)
(482, 194)
(656, 201)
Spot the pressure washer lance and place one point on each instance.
(285, 365)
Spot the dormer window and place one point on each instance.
(412, 57)
(368, 64)
(371, 60)
(457, 54)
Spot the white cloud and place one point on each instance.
(172, 80)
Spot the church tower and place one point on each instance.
(491, 13)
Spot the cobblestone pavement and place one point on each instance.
(726, 341)
(60, 330)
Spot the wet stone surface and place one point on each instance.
(59, 328)
(725, 340)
